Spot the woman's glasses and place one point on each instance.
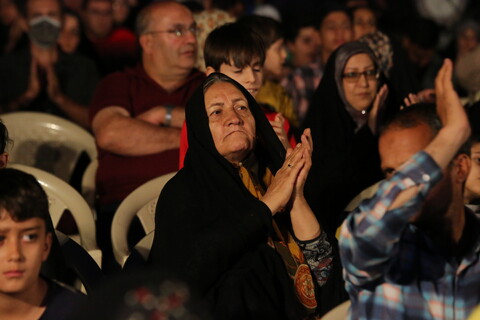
(354, 76)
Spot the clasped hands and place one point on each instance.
(288, 184)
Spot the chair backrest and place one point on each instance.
(88, 183)
(48, 142)
(61, 197)
(80, 262)
(140, 202)
(139, 256)
(366, 193)
(340, 312)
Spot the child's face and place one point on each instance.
(23, 247)
(250, 77)
(274, 60)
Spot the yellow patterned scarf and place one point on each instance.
(286, 247)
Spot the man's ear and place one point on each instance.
(47, 247)
(461, 167)
(3, 160)
(146, 43)
(209, 70)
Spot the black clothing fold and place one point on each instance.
(212, 233)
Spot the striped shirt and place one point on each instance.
(393, 270)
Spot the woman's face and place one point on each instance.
(359, 91)
(472, 185)
(70, 36)
(231, 123)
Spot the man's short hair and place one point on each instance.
(269, 29)
(293, 26)
(22, 197)
(415, 115)
(235, 43)
(143, 19)
(22, 7)
(4, 139)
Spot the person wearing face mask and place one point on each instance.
(41, 77)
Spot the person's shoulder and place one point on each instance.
(61, 301)
(122, 34)
(196, 76)
(128, 74)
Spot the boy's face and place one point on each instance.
(23, 247)
(250, 77)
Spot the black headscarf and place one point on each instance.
(213, 233)
(345, 157)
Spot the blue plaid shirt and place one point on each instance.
(392, 269)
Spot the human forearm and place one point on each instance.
(75, 111)
(161, 115)
(118, 133)
(304, 223)
(370, 233)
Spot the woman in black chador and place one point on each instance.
(233, 223)
(343, 118)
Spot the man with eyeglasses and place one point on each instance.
(137, 114)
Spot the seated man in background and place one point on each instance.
(412, 251)
(137, 114)
(25, 242)
(41, 77)
(112, 48)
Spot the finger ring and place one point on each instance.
(290, 165)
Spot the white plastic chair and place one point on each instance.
(141, 203)
(61, 196)
(48, 142)
(138, 257)
(88, 183)
(366, 193)
(340, 312)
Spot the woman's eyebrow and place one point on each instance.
(216, 104)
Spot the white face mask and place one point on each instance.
(44, 31)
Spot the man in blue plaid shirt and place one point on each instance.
(412, 251)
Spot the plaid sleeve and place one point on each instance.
(370, 233)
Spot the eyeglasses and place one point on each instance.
(354, 76)
(178, 31)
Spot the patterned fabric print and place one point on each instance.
(208, 20)
(392, 269)
(382, 48)
(300, 84)
(289, 250)
(319, 256)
